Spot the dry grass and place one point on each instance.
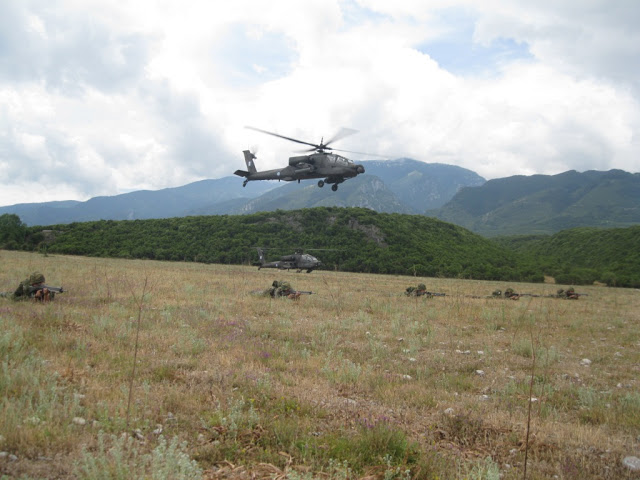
(355, 381)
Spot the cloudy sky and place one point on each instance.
(101, 97)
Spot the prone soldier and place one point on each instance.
(34, 288)
(282, 289)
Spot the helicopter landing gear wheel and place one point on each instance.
(334, 187)
(320, 183)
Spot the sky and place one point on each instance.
(103, 97)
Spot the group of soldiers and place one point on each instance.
(568, 294)
(509, 293)
(34, 288)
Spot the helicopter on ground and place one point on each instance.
(323, 164)
(299, 260)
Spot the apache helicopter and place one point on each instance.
(329, 167)
(300, 261)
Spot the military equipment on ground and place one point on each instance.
(323, 163)
(569, 294)
(36, 288)
(421, 290)
(283, 289)
(298, 261)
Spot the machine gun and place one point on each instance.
(289, 293)
(295, 294)
(431, 294)
(36, 288)
(43, 293)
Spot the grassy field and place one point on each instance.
(354, 381)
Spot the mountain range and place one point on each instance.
(398, 186)
(516, 205)
(545, 204)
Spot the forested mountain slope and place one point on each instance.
(546, 203)
(359, 240)
(584, 255)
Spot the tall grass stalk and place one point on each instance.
(139, 303)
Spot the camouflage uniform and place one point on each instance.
(511, 294)
(569, 294)
(281, 289)
(421, 289)
(25, 290)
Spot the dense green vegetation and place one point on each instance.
(584, 255)
(362, 241)
(356, 239)
(12, 232)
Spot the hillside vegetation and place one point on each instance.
(584, 255)
(356, 239)
(351, 239)
(174, 370)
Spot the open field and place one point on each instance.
(355, 381)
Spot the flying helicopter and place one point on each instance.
(299, 260)
(329, 167)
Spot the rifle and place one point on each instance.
(431, 294)
(294, 294)
(37, 288)
(528, 295)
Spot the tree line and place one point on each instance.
(351, 239)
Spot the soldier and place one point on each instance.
(511, 294)
(281, 289)
(32, 287)
(570, 294)
(421, 289)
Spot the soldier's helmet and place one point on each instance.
(508, 292)
(422, 286)
(285, 286)
(497, 293)
(36, 277)
(560, 291)
(275, 284)
(571, 291)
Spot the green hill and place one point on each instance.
(355, 240)
(584, 255)
(364, 241)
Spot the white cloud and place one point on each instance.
(99, 98)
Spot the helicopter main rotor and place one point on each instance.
(321, 147)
